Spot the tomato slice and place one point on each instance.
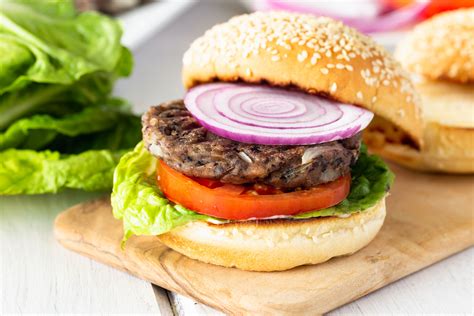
(434, 6)
(230, 201)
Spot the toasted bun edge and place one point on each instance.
(276, 245)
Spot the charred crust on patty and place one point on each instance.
(171, 133)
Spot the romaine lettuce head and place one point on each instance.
(138, 201)
(59, 126)
(50, 54)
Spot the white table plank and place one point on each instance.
(444, 288)
(39, 276)
(185, 306)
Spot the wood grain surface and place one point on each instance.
(429, 218)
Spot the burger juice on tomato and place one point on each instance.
(261, 165)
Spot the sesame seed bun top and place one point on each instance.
(441, 47)
(316, 55)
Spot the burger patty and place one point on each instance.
(171, 133)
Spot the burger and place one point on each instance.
(261, 165)
(439, 53)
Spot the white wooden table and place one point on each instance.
(38, 275)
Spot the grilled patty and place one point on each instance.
(171, 133)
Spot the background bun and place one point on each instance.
(441, 47)
(317, 55)
(448, 133)
(447, 150)
(274, 245)
(441, 50)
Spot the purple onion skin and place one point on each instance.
(210, 103)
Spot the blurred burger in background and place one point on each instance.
(440, 55)
(368, 16)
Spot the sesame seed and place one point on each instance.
(261, 32)
(374, 99)
(302, 56)
(360, 96)
(333, 87)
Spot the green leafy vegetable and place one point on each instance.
(371, 180)
(59, 126)
(32, 172)
(54, 49)
(37, 131)
(138, 201)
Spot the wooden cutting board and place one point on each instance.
(429, 218)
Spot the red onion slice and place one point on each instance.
(273, 116)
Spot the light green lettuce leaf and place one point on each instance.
(138, 201)
(32, 172)
(62, 8)
(56, 49)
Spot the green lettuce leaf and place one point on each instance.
(41, 130)
(41, 47)
(371, 180)
(32, 172)
(138, 201)
(50, 55)
(55, 99)
(59, 126)
(62, 8)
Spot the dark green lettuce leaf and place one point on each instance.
(371, 180)
(58, 99)
(38, 131)
(138, 201)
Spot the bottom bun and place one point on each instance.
(276, 244)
